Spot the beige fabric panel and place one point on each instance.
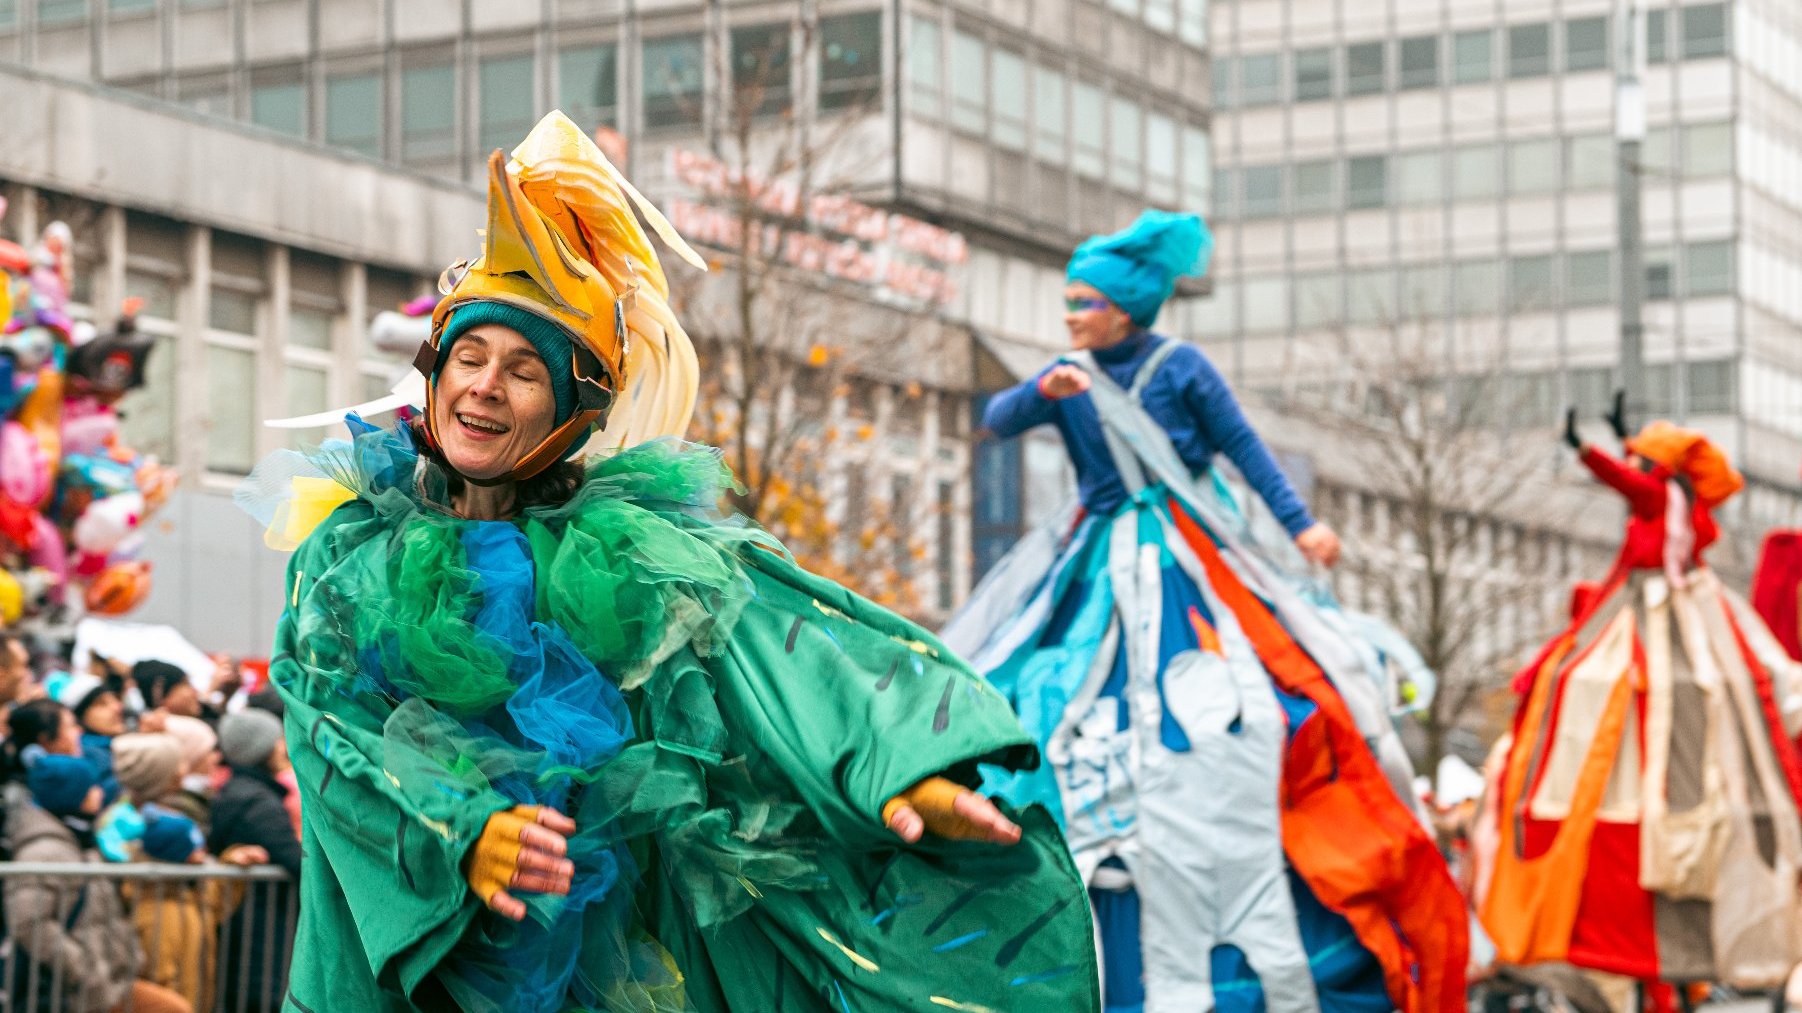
(1587, 686)
(1684, 826)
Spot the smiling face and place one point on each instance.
(494, 402)
(1094, 322)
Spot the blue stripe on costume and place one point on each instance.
(566, 716)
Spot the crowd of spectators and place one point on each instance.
(139, 764)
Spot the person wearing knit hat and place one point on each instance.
(102, 716)
(1166, 542)
(166, 687)
(485, 598)
(193, 796)
(63, 785)
(147, 764)
(247, 738)
(172, 837)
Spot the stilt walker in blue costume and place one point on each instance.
(1218, 741)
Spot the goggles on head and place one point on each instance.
(1087, 304)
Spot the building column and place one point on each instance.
(272, 352)
(110, 292)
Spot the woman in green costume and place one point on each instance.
(569, 739)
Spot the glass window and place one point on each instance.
(1660, 273)
(1655, 154)
(9, 13)
(1009, 70)
(1589, 161)
(231, 418)
(1476, 171)
(1658, 24)
(1713, 387)
(1589, 278)
(1366, 68)
(130, 6)
(674, 81)
(1160, 16)
(1533, 166)
(1193, 23)
(308, 394)
(353, 113)
(1708, 268)
(280, 107)
(1423, 291)
(1224, 91)
(1263, 190)
(1530, 283)
(58, 12)
(310, 328)
(1477, 287)
(924, 66)
(1088, 129)
(851, 61)
(1707, 149)
(1314, 189)
(1419, 177)
(507, 88)
(1048, 114)
(231, 310)
(1529, 50)
(969, 82)
(1127, 123)
(1266, 304)
(588, 85)
(428, 113)
(1313, 74)
(1704, 31)
(760, 68)
(1160, 157)
(1586, 44)
(1420, 62)
(1226, 193)
(1318, 299)
(1370, 296)
(1198, 169)
(1260, 80)
(1367, 181)
(1473, 56)
(157, 292)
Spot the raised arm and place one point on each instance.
(1208, 397)
(1645, 493)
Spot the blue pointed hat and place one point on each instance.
(1137, 267)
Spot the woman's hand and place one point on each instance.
(949, 810)
(521, 848)
(1319, 544)
(1063, 381)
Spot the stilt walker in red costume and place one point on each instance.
(1648, 808)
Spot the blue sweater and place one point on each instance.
(1188, 397)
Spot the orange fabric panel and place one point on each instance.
(1344, 830)
(1532, 904)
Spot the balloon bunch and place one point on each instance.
(73, 496)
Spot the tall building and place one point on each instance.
(269, 173)
(1451, 164)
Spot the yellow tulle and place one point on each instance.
(313, 501)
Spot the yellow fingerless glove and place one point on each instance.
(491, 863)
(935, 799)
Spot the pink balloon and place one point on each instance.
(86, 426)
(24, 470)
(49, 552)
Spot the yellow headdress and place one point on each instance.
(564, 244)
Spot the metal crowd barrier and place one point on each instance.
(254, 938)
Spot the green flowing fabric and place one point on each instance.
(772, 714)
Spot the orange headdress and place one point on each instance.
(1692, 455)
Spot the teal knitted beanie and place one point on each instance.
(552, 343)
